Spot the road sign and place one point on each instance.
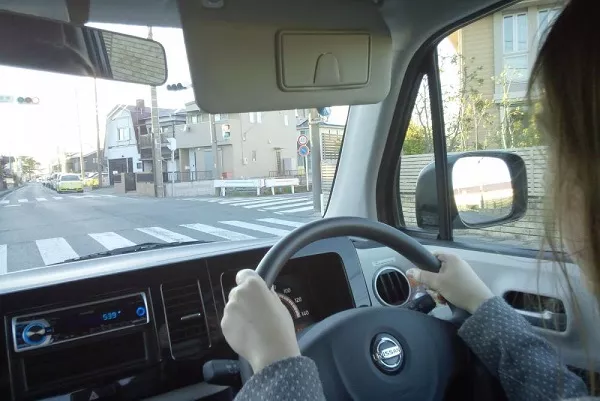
(302, 140)
(6, 99)
(303, 151)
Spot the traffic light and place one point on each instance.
(176, 87)
(28, 100)
(226, 130)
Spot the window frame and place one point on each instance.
(389, 208)
(515, 52)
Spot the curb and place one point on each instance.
(6, 192)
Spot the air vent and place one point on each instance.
(392, 287)
(186, 321)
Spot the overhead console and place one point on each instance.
(148, 331)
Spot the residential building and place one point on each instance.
(502, 48)
(249, 144)
(90, 162)
(127, 143)
(168, 121)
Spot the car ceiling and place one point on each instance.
(164, 12)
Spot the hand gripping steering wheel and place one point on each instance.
(374, 353)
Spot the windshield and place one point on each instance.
(214, 177)
(70, 178)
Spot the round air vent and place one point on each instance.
(392, 287)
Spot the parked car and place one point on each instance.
(69, 183)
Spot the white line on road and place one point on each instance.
(23, 200)
(254, 202)
(108, 196)
(304, 203)
(297, 210)
(111, 240)
(57, 197)
(281, 222)
(41, 199)
(55, 250)
(256, 227)
(3, 259)
(165, 235)
(12, 205)
(4, 202)
(218, 232)
(272, 203)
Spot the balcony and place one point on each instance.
(146, 140)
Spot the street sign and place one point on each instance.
(6, 99)
(303, 151)
(302, 140)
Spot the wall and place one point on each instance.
(194, 188)
(144, 188)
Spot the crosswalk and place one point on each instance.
(21, 201)
(47, 251)
(278, 204)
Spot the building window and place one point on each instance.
(221, 117)
(259, 117)
(545, 18)
(252, 117)
(515, 46)
(254, 155)
(139, 165)
(286, 120)
(123, 134)
(194, 119)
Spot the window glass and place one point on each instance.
(485, 108)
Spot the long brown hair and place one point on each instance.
(566, 79)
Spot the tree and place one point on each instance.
(415, 141)
(28, 165)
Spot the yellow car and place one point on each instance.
(69, 183)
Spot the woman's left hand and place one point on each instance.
(256, 324)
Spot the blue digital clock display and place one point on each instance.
(112, 315)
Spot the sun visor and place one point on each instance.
(273, 55)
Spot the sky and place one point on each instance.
(66, 108)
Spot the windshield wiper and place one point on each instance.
(146, 246)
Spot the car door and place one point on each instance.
(472, 96)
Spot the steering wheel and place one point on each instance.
(381, 353)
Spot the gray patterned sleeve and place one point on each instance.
(526, 364)
(292, 379)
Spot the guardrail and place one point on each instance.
(281, 182)
(224, 184)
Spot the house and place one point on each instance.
(73, 161)
(127, 143)
(502, 47)
(168, 121)
(249, 144)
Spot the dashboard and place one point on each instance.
(140, 326)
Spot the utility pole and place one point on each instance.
(98, 161)
(315, 150)
(215, 148)
(159, 190)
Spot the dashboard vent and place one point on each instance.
(186, 320)
(392, 287)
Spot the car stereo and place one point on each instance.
(56, 326)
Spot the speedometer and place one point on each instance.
(293, 299)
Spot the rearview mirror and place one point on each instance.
(55, 46)
(488, 189)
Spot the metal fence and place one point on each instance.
(144, 177)
(187, 176)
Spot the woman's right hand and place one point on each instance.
(456, 282)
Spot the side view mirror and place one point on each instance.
(488, 189)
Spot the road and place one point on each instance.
(39, 227)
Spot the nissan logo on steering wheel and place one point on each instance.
(387, 353)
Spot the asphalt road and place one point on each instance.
(39, 227)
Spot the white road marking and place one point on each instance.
(218, 232)
(23, 200)
(12, 205)
(272, 203)
(165, 235)
(4, 202)
(281, 222)
(111, 240)
(297, 210)
(254, 202)
(256, 227)
(41, 199)
(57, 197)
(3, 259)
(55, 250)
(108, 196)
(288, 206)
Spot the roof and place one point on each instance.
(302, 122)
